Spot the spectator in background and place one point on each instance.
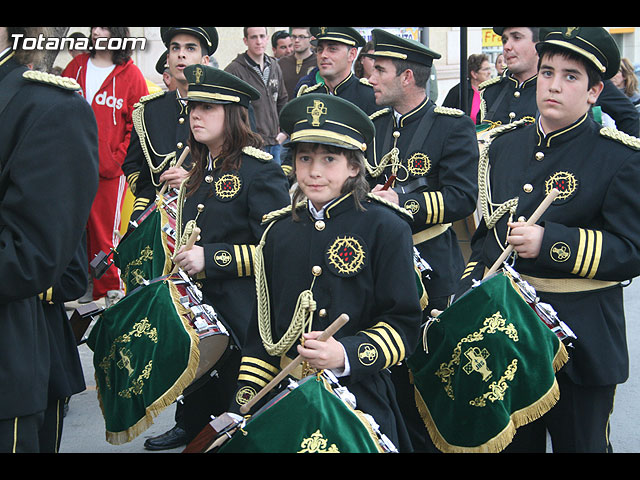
(303, 60)
(500, 64)
(627, 82)
(263, 73)
(281, 44)
(112, 84)
(78, 36)
(479, 71)
(363, 67)
(336, 52)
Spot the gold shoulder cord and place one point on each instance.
(302, 315)
(492, 212)
(392, 158)
(138, 123)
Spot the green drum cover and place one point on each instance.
(488, 368)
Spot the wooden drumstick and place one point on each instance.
(189, 245)
(178, 164)
(389, 182)
(330, 331)
(532, 220)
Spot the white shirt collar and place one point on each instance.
(318, 214)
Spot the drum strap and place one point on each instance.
(567, 285)
(430, 233)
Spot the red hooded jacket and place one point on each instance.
(113, 106)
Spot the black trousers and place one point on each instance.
(405, 393)
(21, 434)
(578, 423)
(212, 398)
(51, 430)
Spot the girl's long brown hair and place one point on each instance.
(237, 135)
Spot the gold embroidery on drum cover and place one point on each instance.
(316, 443)
(367, 354)
(477, 363)
(346, 256)
(227, 186)
(120, 354)
(493, 324)
(418, 164)
(497, 390)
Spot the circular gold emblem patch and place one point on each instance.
(244, 395)
(222, 258)
(346, 256)
(565, 182)
(227, 186)
(560, 252)
(367, 354)
(412, 205)
(418, 164)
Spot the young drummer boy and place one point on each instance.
(587, 241)
(337, 249)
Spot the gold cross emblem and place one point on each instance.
(316, 111)
(198, 74)
(477, 362)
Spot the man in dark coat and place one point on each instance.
(161, 120)
(48, 179)
(430, 154)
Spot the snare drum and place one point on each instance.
(487, 367)
(151, 347)
(313, 415)
(214, 338)
(145, 252)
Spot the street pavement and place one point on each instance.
(84, 430)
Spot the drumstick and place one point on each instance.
(189, 245)
(389, 182)
(179, 163)
(331, 329)
(532, 220)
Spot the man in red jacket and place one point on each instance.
(112, 85)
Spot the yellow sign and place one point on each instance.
(490, 38)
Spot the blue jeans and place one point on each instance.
(274, 150)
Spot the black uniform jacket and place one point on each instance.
(234, 204)
(161, 127)
(591, 236)
(360, 264)
(67, 377)
(357, 91)
(437, 181)
(505, 100)
(48, 179)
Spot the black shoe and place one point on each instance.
(176, 437)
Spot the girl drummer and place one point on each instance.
(231, 186)
(337, 249)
